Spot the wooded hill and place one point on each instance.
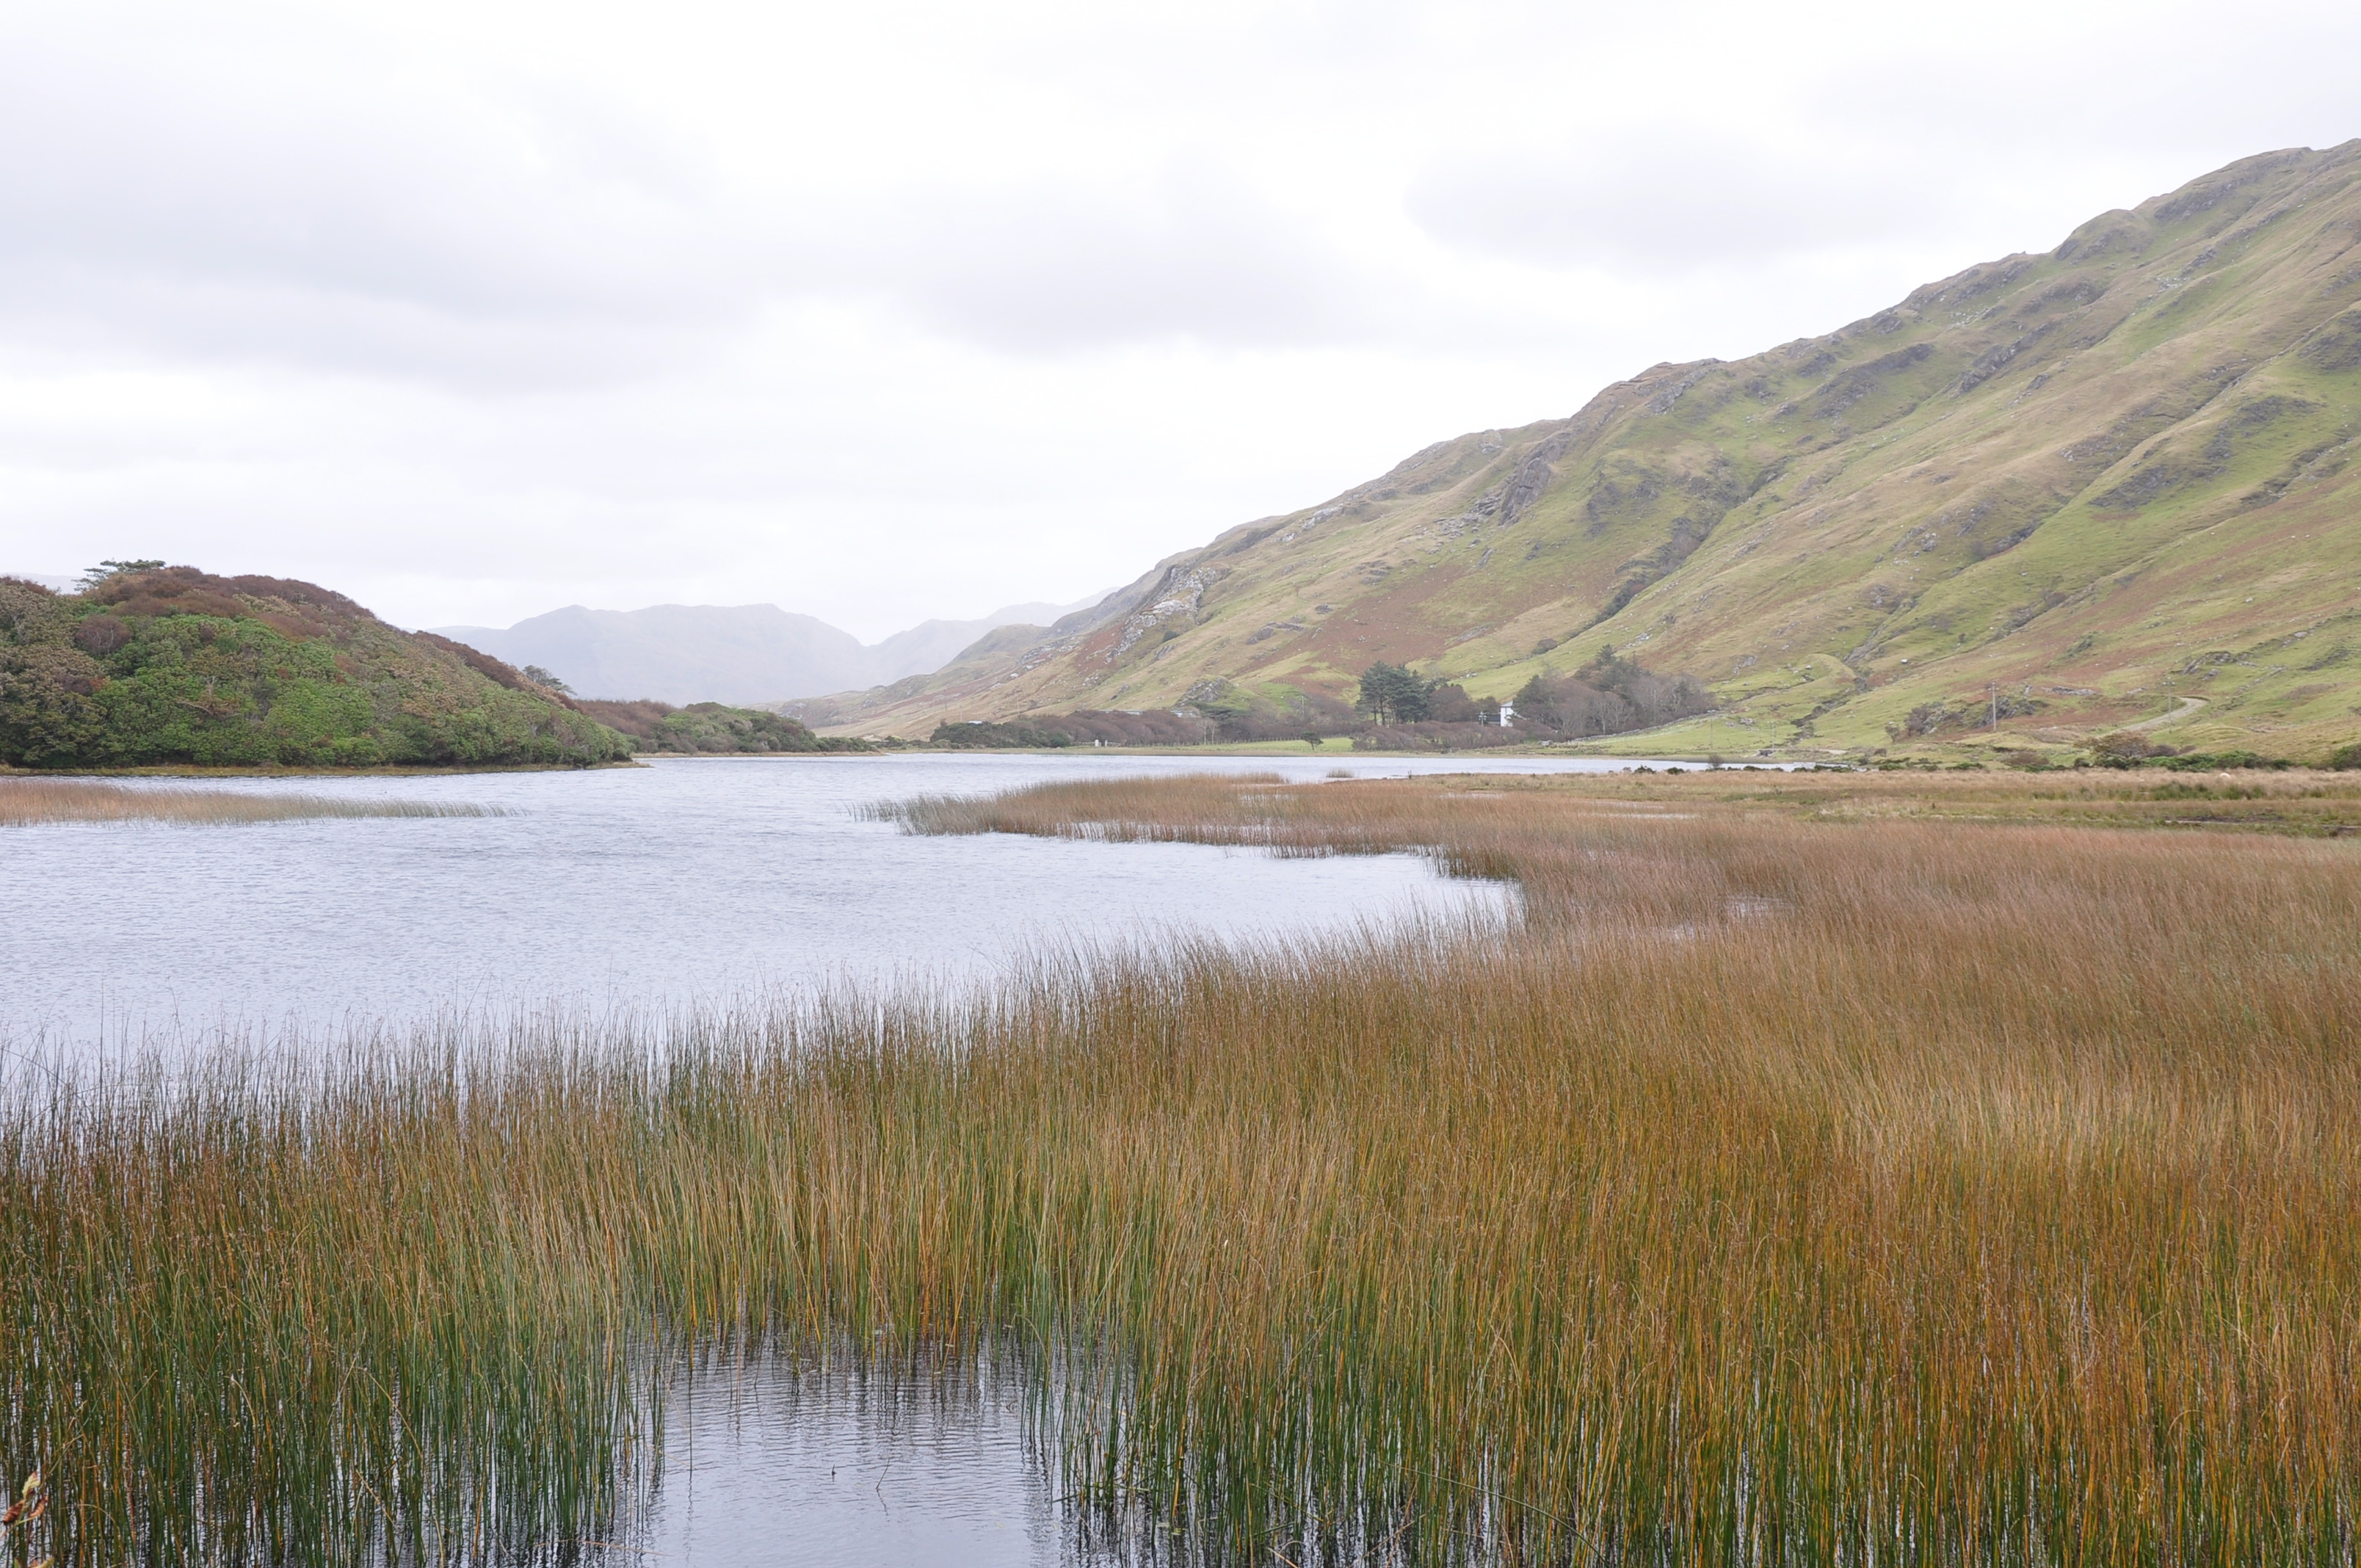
(2058, 493)
(175, 665)
(165, 665)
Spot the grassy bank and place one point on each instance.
(1816, 1172)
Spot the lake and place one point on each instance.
(678, 882)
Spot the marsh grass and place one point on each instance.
(1786, 1189)
(32, 800)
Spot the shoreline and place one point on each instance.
(391, 769)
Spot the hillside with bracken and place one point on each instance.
(2049, 498)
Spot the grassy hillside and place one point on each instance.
(178, 666)
(2103, 485)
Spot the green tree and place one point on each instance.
(1392, 695)
(105, 569)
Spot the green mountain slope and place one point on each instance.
(176, 665)
(2074, 490)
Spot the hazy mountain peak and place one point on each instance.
(730, 654)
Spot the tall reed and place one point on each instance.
(1779, 1191)
(29, 800)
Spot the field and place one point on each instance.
(1956, 1167)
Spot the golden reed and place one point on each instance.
(1800, 1179)
(32, 800)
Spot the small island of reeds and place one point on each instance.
(35, 800)
(1897, 1168)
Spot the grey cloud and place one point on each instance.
(1664, 204)
(1188, 253)
(175, 200)
(176, 197)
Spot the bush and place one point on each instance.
(714, 729)
(2222, 762)
(976, 735)
(1432, 736)
(2125, 749)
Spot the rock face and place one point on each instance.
(2064, 475)
(178, 665)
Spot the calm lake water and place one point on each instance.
(777, 1464)
(641, 889)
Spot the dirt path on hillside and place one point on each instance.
(2189, 704)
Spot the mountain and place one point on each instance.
(737, 654)
(2103, 485)
(678, 652)
(176, 665)
(931, 644)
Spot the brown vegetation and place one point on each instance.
(1805, 1179)
(26, 800)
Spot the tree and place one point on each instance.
(542, 678)
(105, 569)
(1392, 695)
(1607, 695)
(1448, 703)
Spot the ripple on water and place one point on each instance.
(634, 887)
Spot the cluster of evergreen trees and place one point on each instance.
(1605, 697)
(1390, 694)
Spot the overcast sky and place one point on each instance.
(882, 311)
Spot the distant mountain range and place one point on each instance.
(734, 653)
(2110, 484)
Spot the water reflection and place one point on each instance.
(991, 1457)
(780, 1459)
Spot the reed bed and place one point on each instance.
(32, 800)
(1781, 1190)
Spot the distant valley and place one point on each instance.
(734, 653)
